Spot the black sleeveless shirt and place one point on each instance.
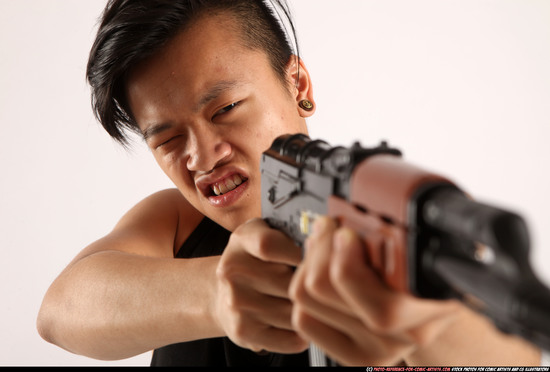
(210, 239)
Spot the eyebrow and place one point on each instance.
(211, 94)
(214, 92)
(155, 129)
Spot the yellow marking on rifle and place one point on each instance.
(306, 220)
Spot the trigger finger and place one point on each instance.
(315, 270)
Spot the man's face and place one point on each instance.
(208, 108)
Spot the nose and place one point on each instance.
(206, 151)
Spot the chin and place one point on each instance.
(231, 220)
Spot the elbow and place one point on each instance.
(56, 325)
(50, 326)
(52, 318)
(43, 329)
(45, 324)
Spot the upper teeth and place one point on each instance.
(228, 184)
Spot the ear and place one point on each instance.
(300, 81)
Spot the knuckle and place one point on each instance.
(296, 292)
(239, 335)
(421, 338)
(299, 319)
(233, 304)
(263, 246)
(237, 236)
(316, 284)
(240, 330)
(256, 238)
(226, 272)
(296, 344)
(387, 318)
(340, 274)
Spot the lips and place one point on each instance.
(223, 187)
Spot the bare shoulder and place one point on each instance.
(165, 215)
(165, 207)
(156, 227)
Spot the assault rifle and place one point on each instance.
(424, 235)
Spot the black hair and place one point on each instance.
(132, 30)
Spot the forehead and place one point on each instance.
(205, 40)
(209, 51)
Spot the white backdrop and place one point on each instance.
(461, 87)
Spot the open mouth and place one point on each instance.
(227, 185)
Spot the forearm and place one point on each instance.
(473, 340)
(113, 305)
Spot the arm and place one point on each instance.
(125, 294)
(122, 295)
(342, 306)
(473, 340)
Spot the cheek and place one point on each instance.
(175, 168)
(277, 120)
(287, 119)
(258, 131)
(293, 121)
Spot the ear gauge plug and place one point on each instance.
(306, 104)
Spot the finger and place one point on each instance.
(315, 266)
(311, 285)
(242, 270)
(344, 322)
(266, 243)
(249, 332)
(278, 340)
(348, 324)
(428, 332)
(367, 349)
(272, 311)
(382, 309)
(329, 340)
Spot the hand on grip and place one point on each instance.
(253, 276)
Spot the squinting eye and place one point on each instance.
(165, 142)
(226, 109)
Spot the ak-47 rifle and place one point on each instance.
(423, 234)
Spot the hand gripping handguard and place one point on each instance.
(422, 233)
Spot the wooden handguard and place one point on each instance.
(381, 189)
